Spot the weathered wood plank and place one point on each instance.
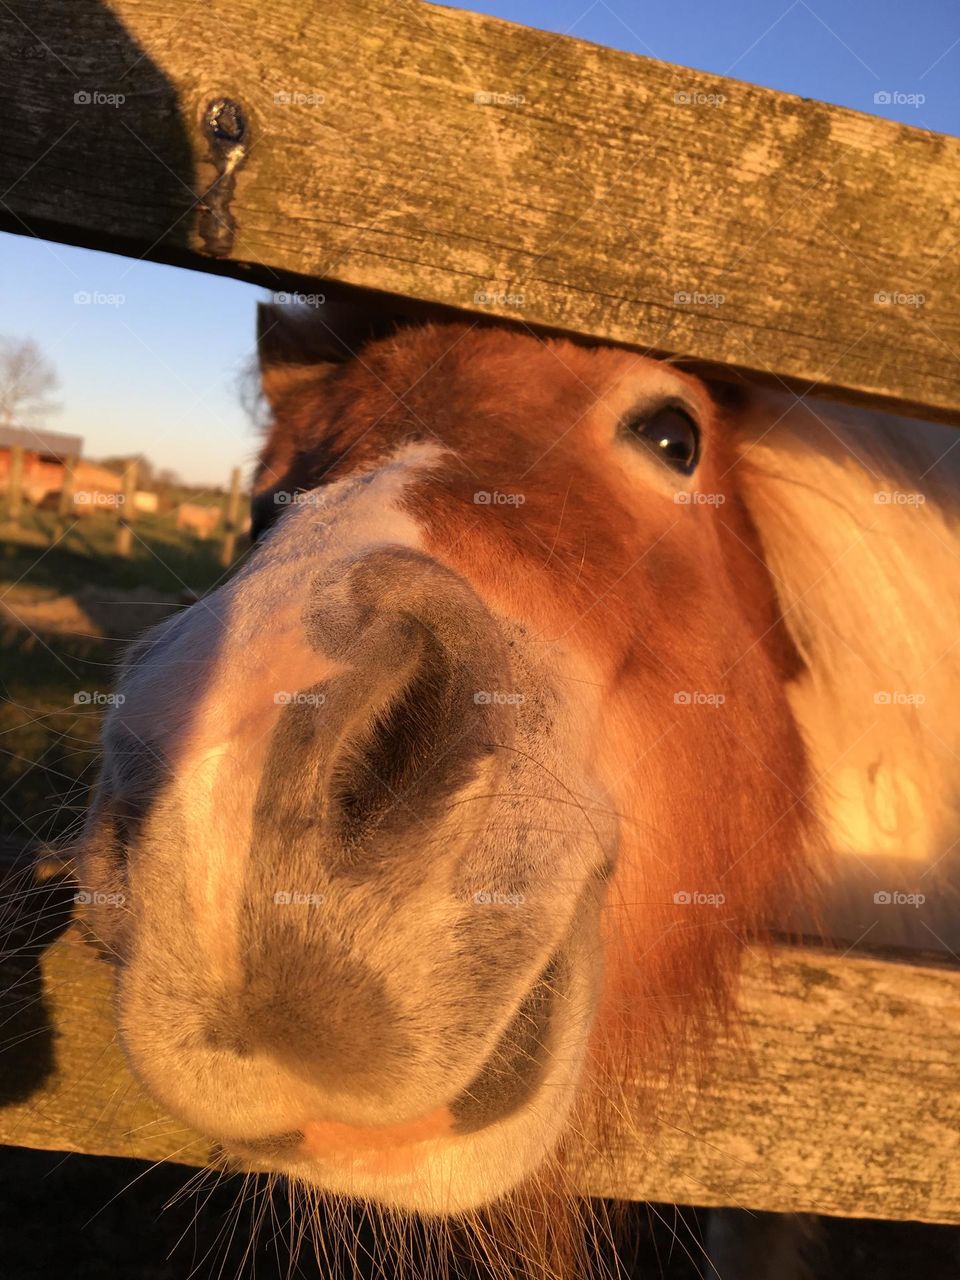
(468, 162)
(64, 1084)
(841, 1098)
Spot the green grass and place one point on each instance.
(163, 556)
(48, 756)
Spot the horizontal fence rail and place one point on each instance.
(836, 1094)
(467, 162)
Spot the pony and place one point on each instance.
(555, 676)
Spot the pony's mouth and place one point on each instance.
(509, 1115)
(508, 1079)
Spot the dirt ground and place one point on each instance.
(94, 612)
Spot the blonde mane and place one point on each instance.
(857, 513)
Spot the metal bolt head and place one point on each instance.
(224, 120)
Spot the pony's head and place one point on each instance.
(457, 802)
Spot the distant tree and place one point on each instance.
(26, 381)
(167, 478)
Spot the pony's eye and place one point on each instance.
(672, 434)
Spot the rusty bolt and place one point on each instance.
(224, 121)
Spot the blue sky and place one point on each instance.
(157, 373)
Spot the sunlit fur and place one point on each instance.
(719, 643)
(858, 514)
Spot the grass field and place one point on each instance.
(68, 605)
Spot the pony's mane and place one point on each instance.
(857, 513)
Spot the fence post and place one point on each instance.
(16, 484)
(126, 509)
(229, 545)
(69, 483)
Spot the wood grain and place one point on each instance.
(841, 1099)
(467, 162)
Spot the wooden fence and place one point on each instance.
(122, 505)
(448, 160)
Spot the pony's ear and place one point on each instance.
(857, 516)
(298, 347)
(299, 344)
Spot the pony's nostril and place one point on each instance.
(415, 748)
(400, 740)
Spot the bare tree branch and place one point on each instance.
(26, 382)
